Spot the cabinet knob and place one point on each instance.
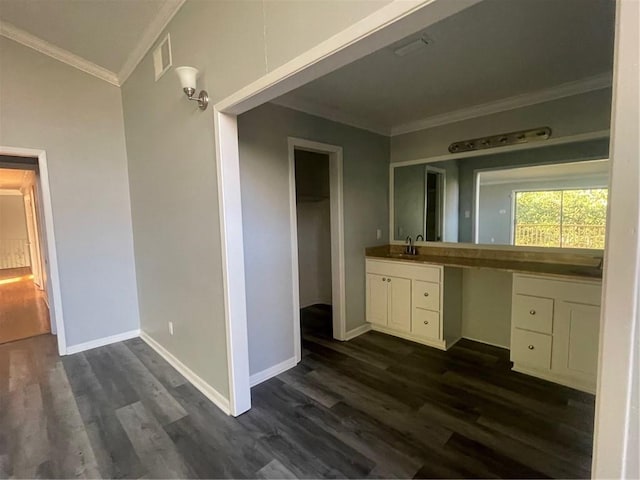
(426, 322)
(384, 279)
(531, 347)
(532, 312)
(388, 279)
(426, 294)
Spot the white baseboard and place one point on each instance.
(101, 342)
(355, 332)
(485, 342)
(271, 372)
(207, 390)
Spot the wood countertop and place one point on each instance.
(572, 265)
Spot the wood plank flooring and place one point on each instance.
(375, 407)
(23, 313)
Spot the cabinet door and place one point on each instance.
(377, 299)
(399, 303)
(576, 333)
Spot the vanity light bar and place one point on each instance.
(513, 138)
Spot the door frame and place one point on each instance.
(52, 275)
(338, 295)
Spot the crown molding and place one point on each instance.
(329, 113)
(569, 89)
(149, 37)
(25, 38)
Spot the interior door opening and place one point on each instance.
(24, 308)
(313, 214)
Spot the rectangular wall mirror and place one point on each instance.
(551, 196)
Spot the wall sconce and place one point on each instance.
(188, 76)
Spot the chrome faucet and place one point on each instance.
(409, 249)
(420, 236)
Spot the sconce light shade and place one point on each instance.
(188, 76)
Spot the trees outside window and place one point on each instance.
(561, 218)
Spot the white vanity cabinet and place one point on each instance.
(407, 299)
(555, 327)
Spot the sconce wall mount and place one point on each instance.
(188, 76)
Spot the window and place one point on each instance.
(561, 218)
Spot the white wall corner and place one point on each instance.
(356, 332)
(101, 342)
(271, 372)
(205, 388)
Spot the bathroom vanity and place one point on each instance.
(555, 305)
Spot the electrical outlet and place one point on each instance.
(170, 328)
(378, 234)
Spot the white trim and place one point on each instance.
(271, 372)
(485, 342)
(207, 390)
(53, 278)
(28, 40)
(569, 89)
(232, 244)
(615, 450)
(356, 332)
(101, 342)
(149, 37)
(338, 292)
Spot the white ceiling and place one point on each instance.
(11, 179)
(112, 34)
(597, 170)
(495, 50)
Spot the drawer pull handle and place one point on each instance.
(426, 322)
(531, 347)
(426, 294)
(532, 312)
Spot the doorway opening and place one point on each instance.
(317, 240)
(24, 310)
(313, 210)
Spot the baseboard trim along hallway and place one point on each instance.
(271, 372)
(207, 390)
(101, 342)
(356, 332)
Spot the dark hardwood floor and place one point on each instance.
(374, 407)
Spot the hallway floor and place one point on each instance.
(374, 407)
(23, 312)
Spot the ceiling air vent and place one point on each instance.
(162, 57)
(413, 46)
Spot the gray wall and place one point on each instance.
(171, 154)
(584, 113)
(496, 203)
(77, 119)
(264, 174)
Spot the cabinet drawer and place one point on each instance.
(426, 295)
(533, 313)
(531, 349)
(425, 323)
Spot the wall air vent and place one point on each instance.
(502, 140)
(162, 57)
(413, 46)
